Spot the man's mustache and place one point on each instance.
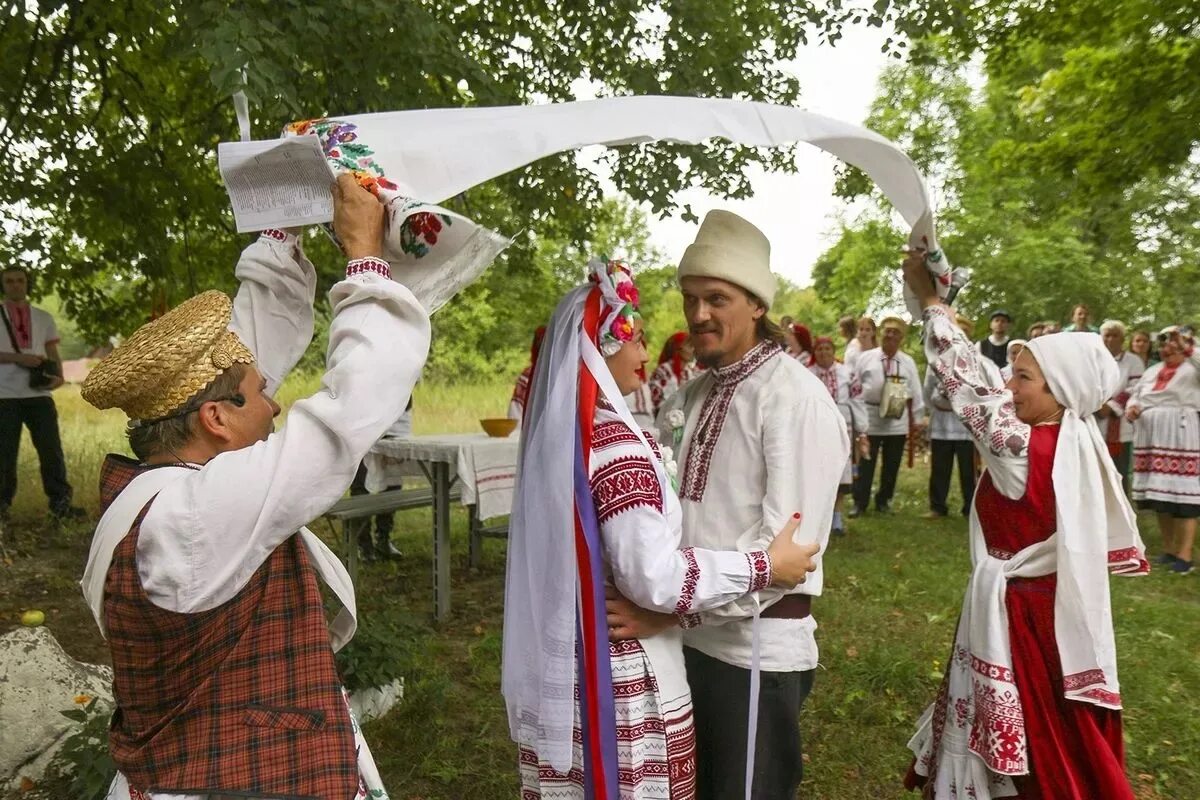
(695, 331)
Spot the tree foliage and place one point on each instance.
(1063, 144)
(110, 114)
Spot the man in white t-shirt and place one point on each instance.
(30, 337)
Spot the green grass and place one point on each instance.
(892, 593)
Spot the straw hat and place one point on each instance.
(167, 361)
(893, 322)
(729, 248)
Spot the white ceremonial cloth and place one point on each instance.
(781, 432)
(873, 365)
(210, 530)
(1096, 535)
(435, 154)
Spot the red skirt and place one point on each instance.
(1075, 749)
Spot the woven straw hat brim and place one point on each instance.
(167, 361)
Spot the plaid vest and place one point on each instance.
(241, 699)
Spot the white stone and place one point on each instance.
(37, 681)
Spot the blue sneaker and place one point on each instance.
(1166, 559)
(1181, 567)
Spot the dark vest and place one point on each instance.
(241, 699)
(998, 353)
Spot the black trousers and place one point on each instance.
(41, 417)
(943, 453)
(721, 706)
(384, 523)
(893, 454)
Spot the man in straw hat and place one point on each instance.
(756, 432)
(887, 372)
(201, 574)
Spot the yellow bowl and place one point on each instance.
(498, 428)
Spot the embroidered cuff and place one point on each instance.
(689, 621)
(361, 266)
(691, 579)
(940, 310)
(760, 569)
(274, 233)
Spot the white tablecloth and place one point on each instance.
(486, 466)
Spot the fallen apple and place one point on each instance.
(33, 618)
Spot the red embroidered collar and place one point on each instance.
(712, 417)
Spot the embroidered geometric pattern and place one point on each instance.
(1166, 462)
(997, 733)
(1081, 680)
(611, 434)
(760, 569)
(274, 233)
(991, 419)
(655, 742)
(360, 266)
(691, 579)
(712, 417)
(625, 483)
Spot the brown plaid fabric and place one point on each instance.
(242, 699)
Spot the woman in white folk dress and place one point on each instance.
(1164, 407)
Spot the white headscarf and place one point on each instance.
(1097, 531)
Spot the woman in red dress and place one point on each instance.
(1030, 704)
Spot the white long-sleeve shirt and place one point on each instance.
(944, 424)
(874, 369)
(1131, 368)
(843, 386)
(207, 533)
(211, 529)
(776, 439)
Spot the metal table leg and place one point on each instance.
(441, 540)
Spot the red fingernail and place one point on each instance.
(796, 515)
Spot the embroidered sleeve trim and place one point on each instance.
(691, 579)
(625, 483)
(612, 434)
(361, 266)
(986, 411)
(760, 569)
(687, 621)
(273, 233)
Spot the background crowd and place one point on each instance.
(895, 411)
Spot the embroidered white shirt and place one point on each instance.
(873, 365)
(779, 434)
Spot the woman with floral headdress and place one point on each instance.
(595, 508)
(676, 366)
(1030, 705)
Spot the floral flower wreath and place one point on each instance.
(620, 298)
